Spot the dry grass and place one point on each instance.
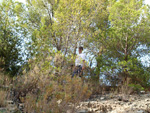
(5, 80)
(56, 96)
(2, 98)
(43, 91)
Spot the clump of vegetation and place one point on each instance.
(5, 80)
(55, 97)
(41, 91)
(3, 95)
(136, 87)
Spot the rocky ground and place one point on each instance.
(12, 107)
(110, 103)
(107, 103)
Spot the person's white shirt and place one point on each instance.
(79, 59)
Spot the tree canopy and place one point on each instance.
(113, 32)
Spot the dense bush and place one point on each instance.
(42, 91)
(2, 98)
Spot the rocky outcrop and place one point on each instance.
(110, 103)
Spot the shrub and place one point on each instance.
(2, 98)
(57, 97)
(5, 80)
(42, 91)
(136, 87)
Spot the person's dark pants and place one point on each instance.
(77, 71)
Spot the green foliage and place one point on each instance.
(10, 39)
(136, 87)
(135, 70)
(127, 21)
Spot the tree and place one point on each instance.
(57, 30)
(98, 33)
(10, 37)
(129, 26)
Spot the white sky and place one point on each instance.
(147, 2)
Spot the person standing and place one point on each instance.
(79, 63)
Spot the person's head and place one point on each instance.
(80, 49)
